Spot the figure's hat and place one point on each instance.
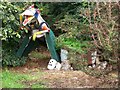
(29, 14)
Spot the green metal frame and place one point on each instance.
(28, 44)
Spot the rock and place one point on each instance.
(114, 74)
(75, 78)
(65, 65)
(64, 54)
(103, 65)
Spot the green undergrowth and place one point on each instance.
(16, 80)
(38, 55)
(9, 57)
(73, 44)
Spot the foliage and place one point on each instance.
(92, 21)
(72, 44)
(73, 26)
(38, 55)
(10, 59)
(69, 19)
(103, 21)
(11, 35)
(10, 20)
(8, 55)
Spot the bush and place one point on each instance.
(8, 55)
(10, 35)
(93, 21)
(9, 59)
(104, 22)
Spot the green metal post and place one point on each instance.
(50, 40)
(25, 42)
(27, 45)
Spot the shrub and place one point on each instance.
(10, 59)
(10, 35)
(8, 55)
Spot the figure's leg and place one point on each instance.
(50, 40)
(51, 45)
(27, 46)
(23, 46)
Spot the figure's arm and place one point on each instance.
(44, 27)
(40, 34)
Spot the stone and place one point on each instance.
(64, 54)
(65, 65)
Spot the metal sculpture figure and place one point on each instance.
(31, 17)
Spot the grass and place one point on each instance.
(11, 80)
(37, 55)
(15, 80)
(75, 45)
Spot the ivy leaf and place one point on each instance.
(18, 35)
(26, 31)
